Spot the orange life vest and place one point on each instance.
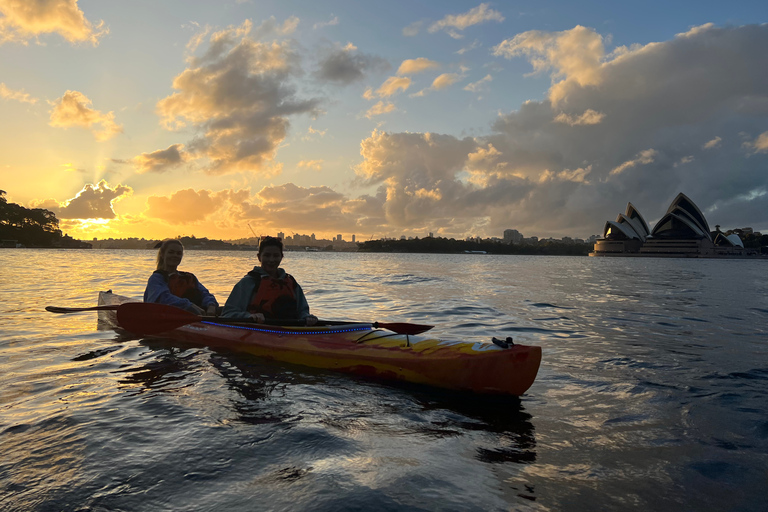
(274, 298)
(184, 285)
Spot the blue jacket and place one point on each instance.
(157, 291)
(238, 301)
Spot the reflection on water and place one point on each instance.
(651, 395)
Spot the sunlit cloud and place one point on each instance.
(454, 23)
(25, 20)
(186, 206)
(379, 109)
(392, 86)
(10, 94)
(315, 165)
(712, 144)
(441, 82)
(239, 95)
(644, 157)
(74, 109)
(760, 144)
(413, 66)
(92, 202)
(574, 55)
(587, 118)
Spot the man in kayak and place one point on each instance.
(168, 285)
(267, 292)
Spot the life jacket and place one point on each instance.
(274, 298)
(184, 285)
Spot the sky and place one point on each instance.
(225, 118)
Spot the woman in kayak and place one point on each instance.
(267, 292)
(168, 285)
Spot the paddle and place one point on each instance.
(150, 318)
(54, 309)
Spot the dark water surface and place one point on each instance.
(652, 395)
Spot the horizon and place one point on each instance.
(462, 119)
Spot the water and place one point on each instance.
(652, 395)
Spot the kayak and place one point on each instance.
(365, 350)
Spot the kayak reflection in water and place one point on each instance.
(267, 292)
(167, 285)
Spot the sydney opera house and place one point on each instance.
(681, 232)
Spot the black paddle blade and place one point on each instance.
(148, 318)
(403, 328)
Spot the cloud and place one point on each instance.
(380, 108)
(644, 157)
(315, 165)
(345, 65)
(475, 44)
(412, 29)
(190, 206)
(315, 209)
(392, 86)
(575, 55)
(311, 132)
(413, 66)
(549, 168)
(479, 85)
(27, 19)
(587, 118)
(10, 94)
(271, 27)
(161, 160)
(238, 95)
(331, 22)
(92, 202)
(760, 145)
(73, 109)
(271, 209)
(456, 22)
(441, 82)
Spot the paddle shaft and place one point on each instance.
(151, 318)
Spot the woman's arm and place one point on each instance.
(157, 291)
(236, 306)
(208, 298)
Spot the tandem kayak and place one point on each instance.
(362, 349)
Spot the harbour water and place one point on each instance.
(652, 394)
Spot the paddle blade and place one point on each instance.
(148, 318)
(55, 309)
(404, 328)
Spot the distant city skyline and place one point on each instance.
(458, 118)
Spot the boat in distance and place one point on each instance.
(361, 349)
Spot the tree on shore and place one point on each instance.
(28, 226)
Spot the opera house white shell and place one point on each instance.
(683, 231)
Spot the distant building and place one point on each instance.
(682, 232)
(353, 238)
(281, 236)
(512, 236)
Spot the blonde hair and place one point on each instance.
(164, 248)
